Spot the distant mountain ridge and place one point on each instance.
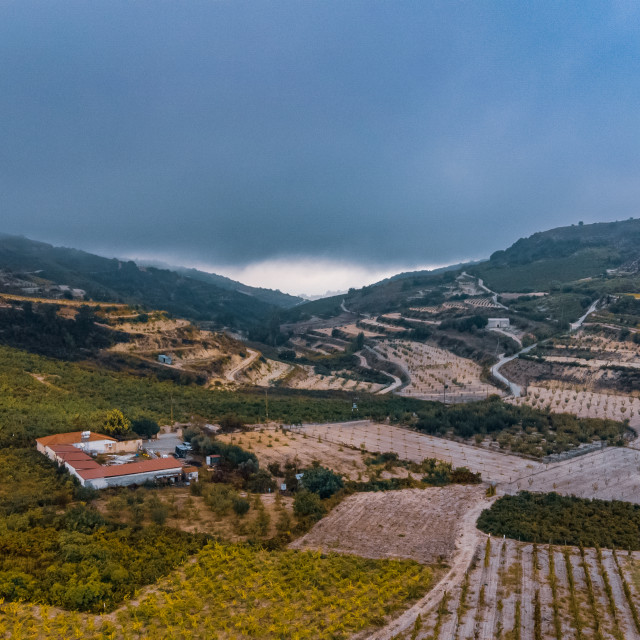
(270, 296)
(113, 280)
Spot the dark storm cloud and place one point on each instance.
(374, 132)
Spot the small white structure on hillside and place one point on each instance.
(498, 323)
(164, 359)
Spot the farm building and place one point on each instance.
(89, 442)
(190, 474)
(65, 449)
(164, 359)
(498, 323)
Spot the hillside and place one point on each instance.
(563, 254)
(274, 297)
(36, 266)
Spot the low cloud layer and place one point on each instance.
(367, 134)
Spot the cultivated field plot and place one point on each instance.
(410, 445)
(557, 375)
(191, 513)
(306, 378)
(264, 374)
(515, 590)
(418, 524)
(395, 316)
(375, 325)
(610, 474)
(430, 368)
(584, 404)
(600, 347)
(271, 445)
(235, 592)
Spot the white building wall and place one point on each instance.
(134, 478)
(498, 323)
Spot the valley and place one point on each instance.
(361, 443)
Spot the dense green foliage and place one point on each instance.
(322, 481)
(41, 330)
(519, 428)
(555, 519)
(81, 561)
(30, 480)
(73, 558)
(433, 472)
(308, 506)
(570, 253)
(69, 396)
(145, 427)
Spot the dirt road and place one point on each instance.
(232, 373)
(469, 541)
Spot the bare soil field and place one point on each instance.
(262, 374)
(582, 403)
(430, 368)
(512, 590)
(300, 376)
(546, 373)
(215, 354)
(415, 321)
(419, 524)
(414, 446)
(610, 474)
(351, 330)
(595, 361)
(271, 445)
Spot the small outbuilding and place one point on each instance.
(498, 323)
(164, 359)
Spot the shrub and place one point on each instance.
(261, 482)
(145, 427)
(308, 506)
(322, 481)
(240, 506)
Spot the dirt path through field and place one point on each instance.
(466, 546)
(232, 373)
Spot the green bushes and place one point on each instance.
(71, 397)
(321, 481)
(518, 428)
(75, 558)
(560, 519)
(308, 506)
(79, 560)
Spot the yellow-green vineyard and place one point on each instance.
(233, 591)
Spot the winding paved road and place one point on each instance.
(516, 389)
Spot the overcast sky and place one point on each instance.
(315, 145)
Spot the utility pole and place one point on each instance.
(266, 403)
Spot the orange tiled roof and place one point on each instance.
(146, 466)
(72, 437)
